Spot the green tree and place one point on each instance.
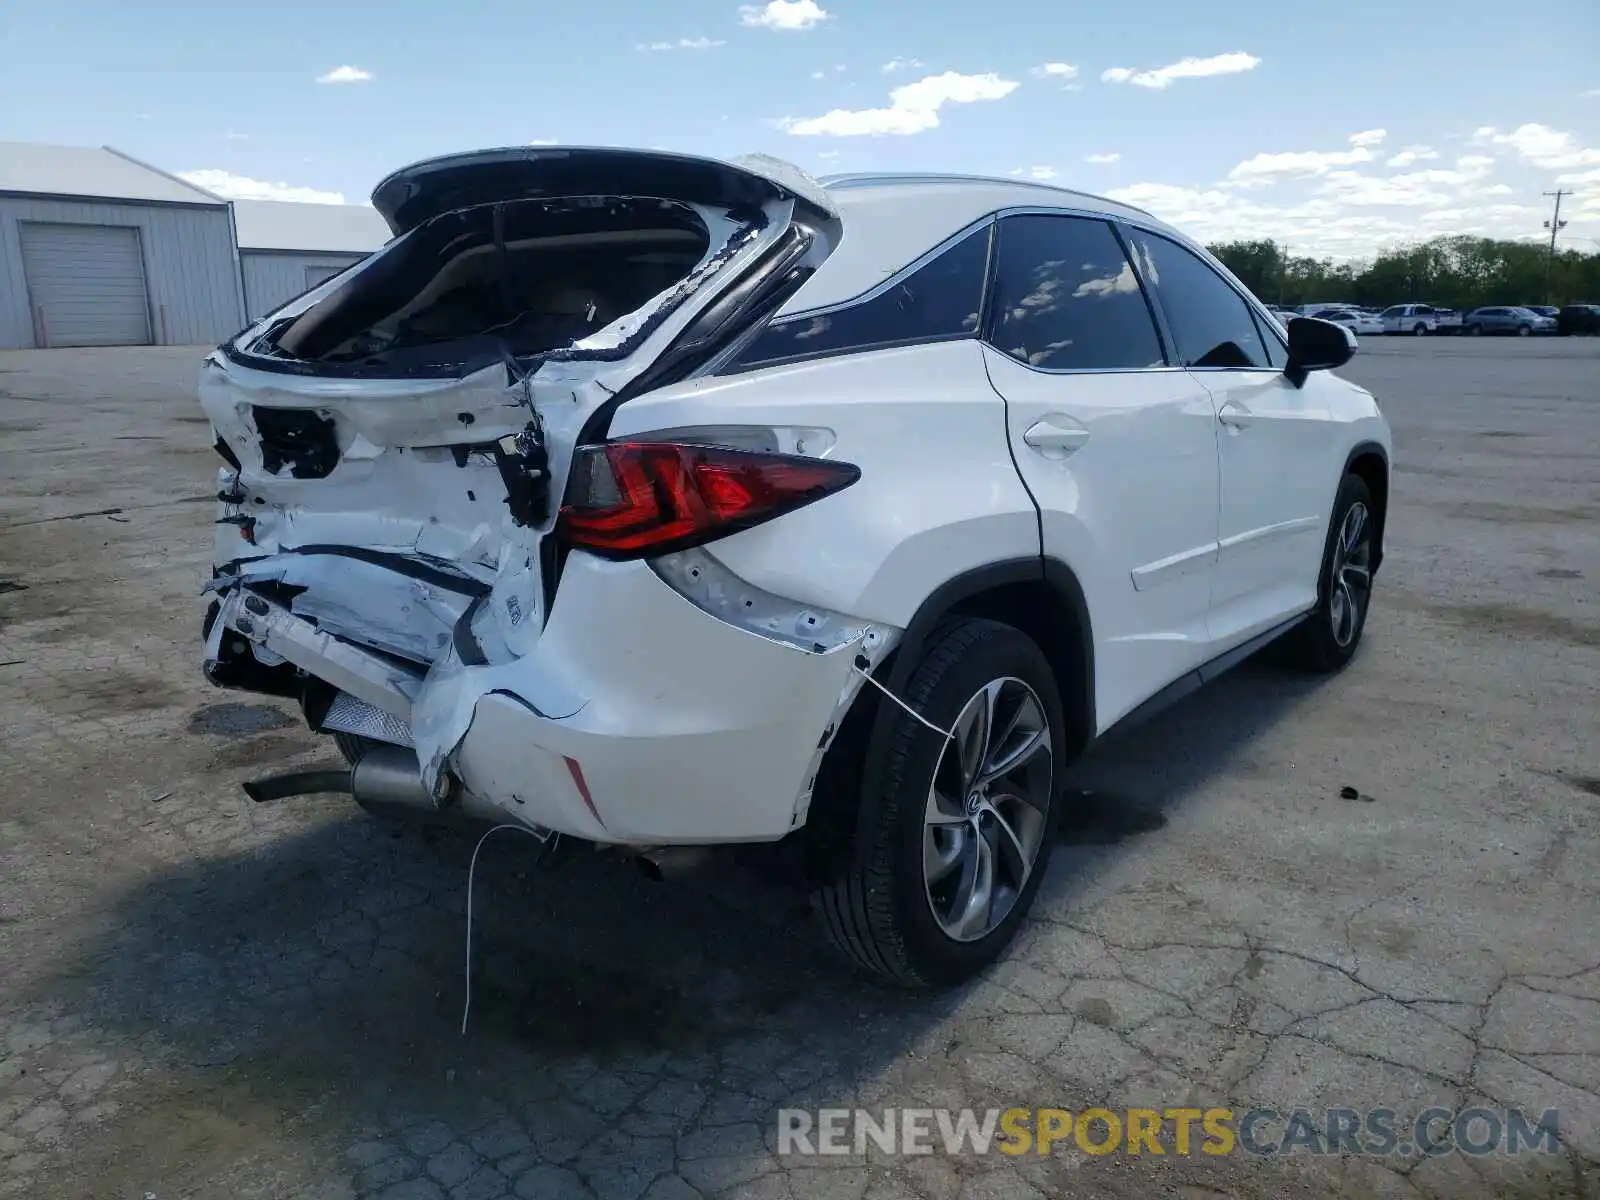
(1460, 272)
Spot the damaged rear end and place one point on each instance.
(398, 443)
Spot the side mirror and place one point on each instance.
(1316, 345)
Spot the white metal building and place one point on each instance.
(99, 249)
(286, 248)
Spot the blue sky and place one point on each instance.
(1335, 126)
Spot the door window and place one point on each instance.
(1067, 299)
(1210, 322)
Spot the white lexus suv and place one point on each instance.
(657, 502)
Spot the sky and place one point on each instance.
(1336, 127)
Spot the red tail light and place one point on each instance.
(634, 499)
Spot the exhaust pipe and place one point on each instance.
(672, 862)
(385, 778)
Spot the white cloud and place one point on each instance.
(699, 43)
(1264, 169)
(1589, 94)
(1542, 146)
(1064, 72)
(238, 187)
(1102, 159)
(1186, 68)
(819, 74)
(783, 15)
(912, 108)
(1411, 154)
(543, 142)
(346, 74)
(1039, 173)
(901, 64)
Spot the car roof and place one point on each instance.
(892, 220)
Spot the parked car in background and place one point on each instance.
(1420, 319)
(1544, 310)
(1578, 318)
(1354, 319)
(613, 555)
(1519, 322)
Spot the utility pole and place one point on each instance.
(1283, 274)
(1555, 225)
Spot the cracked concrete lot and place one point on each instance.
(202, 998)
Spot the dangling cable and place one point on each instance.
(944, 733)
(472, 870)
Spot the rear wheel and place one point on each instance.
(1419, 329)
(1474, 330)
(964, 824)
(1524, 330)
(1328, 638)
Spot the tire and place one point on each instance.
(883, 914)
(1524, 331)
(1328, 639)
(1474, 330)
(1419, 329)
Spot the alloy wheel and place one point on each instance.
(987, 809)
(1351, 578)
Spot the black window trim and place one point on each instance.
(987, 224)
(1120, 224)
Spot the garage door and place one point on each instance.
(86, 284)
(316, 275)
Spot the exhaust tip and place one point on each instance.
(297, 783)
(672, 862)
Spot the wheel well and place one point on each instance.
(1046, 605)
(1374, 472)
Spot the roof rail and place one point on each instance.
(865, 179)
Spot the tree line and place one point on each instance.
(1455, 272)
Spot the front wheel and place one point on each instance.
(963, 825)
(1474, 330)
(1419, 329)
(1327, 639)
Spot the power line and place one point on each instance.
(1555, 225)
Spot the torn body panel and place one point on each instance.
(382, 529)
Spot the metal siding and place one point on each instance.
(86, 284)
(272, 280)
(188, 266)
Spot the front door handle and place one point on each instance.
(1055, 437)
(1235, 415)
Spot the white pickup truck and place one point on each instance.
(1420, 319)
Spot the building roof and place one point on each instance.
(97, 172)
(312, 228)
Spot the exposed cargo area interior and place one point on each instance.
(518, 277)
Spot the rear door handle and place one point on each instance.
(1056, 436)
(1235, 415)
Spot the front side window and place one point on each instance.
(940, 300)
(1210, 321)
(1066, 298)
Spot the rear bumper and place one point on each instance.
(638, 718)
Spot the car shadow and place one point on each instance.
(324, 972)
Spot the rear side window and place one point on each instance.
(1066, 298)
(1210, 321)
(940, 300)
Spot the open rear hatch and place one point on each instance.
(398, 438)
